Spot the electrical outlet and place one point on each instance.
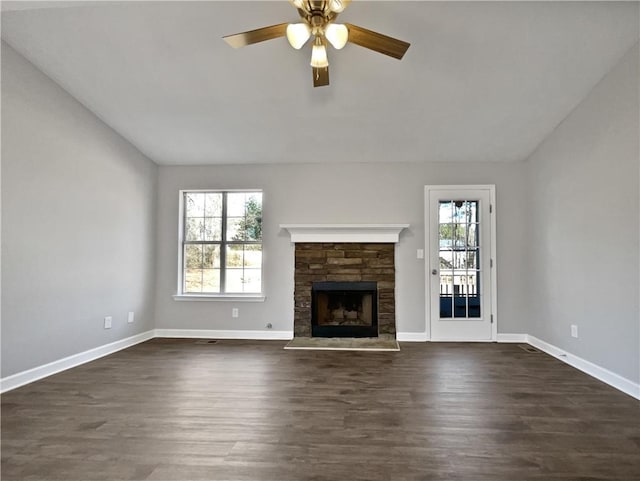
(130, 317)
(574, 330)
(234, 312)
(420, 254)
(107, 322)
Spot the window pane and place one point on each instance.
(213, 228)
(472, 283)
(193, 256)
(446, 260)
(213, 204)
(464, 260)
(472, 235)
(460, 211)
(446, 236)
(244, 213)
(193, 280)
(446, 295)
(459, 297)
(472, 259)
(211, 280)
(234, 280)
(244, 229)
(194, 204)
(234, 256)
(243, 280)
(194, 230)
(252, 280)
(474, 306)
(235, 230)
(471, 211)
(253, 256)
(253, 213)
(235, 204)
(460, 235)
(445, 214)
(211, 256)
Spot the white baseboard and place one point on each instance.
(25, 377)
(216, 334)
(422, 337)
(20, 379)
(502, 337)
(611, 378)
(411, 336)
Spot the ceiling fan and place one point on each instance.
(318, 19)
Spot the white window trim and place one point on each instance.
(219, 297)
(235, 297)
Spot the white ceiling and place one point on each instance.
(482, 81)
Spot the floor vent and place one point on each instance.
(527, 347)
(206, 341)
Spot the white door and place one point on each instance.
(460, 265)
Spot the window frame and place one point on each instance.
(181, 294)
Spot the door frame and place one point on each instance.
(428, 278)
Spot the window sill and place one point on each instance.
(220, 297)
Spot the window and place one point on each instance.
(459, 226)
(221, 242)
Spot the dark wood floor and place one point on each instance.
(235, 410)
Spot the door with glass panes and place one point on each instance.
(459, 264)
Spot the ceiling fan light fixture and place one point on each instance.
(337, 34)
(297, 3)
(338, 6)
(298, 34)
(319, 55)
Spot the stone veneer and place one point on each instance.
(318, 262)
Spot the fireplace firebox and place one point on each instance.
(344, 309)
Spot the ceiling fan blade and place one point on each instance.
(254, 36)
(320, 76)
(376, 41)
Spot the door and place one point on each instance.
(461, 263)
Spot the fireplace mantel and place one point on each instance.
(344, 232)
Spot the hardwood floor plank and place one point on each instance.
(249, 410)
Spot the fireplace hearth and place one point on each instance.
(344, 309)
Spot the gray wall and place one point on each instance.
(338, 193)
(80, 240)
(78, 224)
(583, 234)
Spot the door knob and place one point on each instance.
(434, 272)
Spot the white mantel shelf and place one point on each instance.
(389, 233)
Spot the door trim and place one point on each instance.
(427, 238)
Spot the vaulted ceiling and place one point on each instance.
(482, 81)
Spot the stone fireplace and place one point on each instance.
(344, 280)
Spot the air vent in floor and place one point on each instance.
(206, 341)
(527, 347)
